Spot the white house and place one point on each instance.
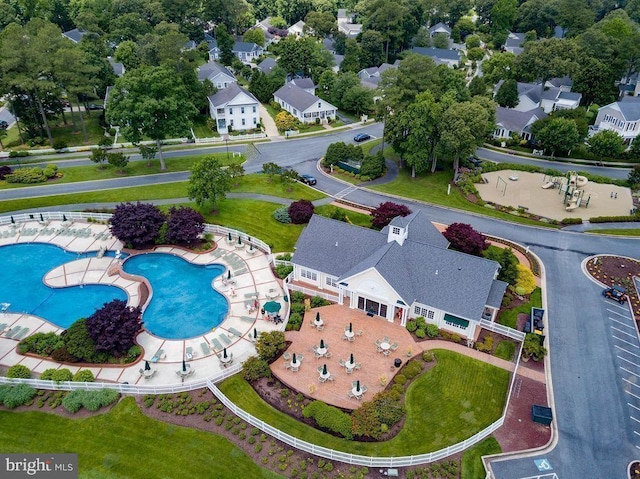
(306, 84)
(509, 121)
(555, 95)
(234, 108)
(346, 25)
(402, 272)
(441, 56)
(217, 74)
(440, 28)
(623, 117)
(245, 51)
(303, 105)
(297, 29)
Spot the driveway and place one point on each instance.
(267, 122)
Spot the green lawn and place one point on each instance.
(126, 443)
(135, 168)
(432, 188)
(457, 398)
(509, 317)
(259, 183)
(505, 350)
(353, 217)
(472, 467)
(201, 129)
(620, 232)
(63, 132)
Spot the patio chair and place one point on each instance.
(235, 331)
(189, 353)
(364, 389)
(349, 370)
(320, 328)
(248, 319)
(357, 366)
(141, 371)
(158, 356)
(341, 362)
(322, 379)
(359, 332)
(317, 356)
(351, 395)
(319, 369)
(378, 342)
(286, 356)
(344, 336)
(330, 378)
(394, 346)
(295, 369)
(386, 339)
(216, 344)
(13, 331)
(386, 352)
(379, 349)
(351, 339)
(287, 365)
(328, 354)
(299, 357)
(205, 348)
(21, 334)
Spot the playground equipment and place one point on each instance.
(551, 182)
(573, 192)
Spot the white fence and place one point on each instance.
(501, 329)
(219, 139)
(312, 292)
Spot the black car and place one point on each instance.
(95, 106)
(474, 161)
(361, 137)
(3, 125)
(308, 179)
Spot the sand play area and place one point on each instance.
(524, 189)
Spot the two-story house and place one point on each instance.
(623, 117)
(441, 56)
(217, 74)
(346, 25)
(303, 105)
(234, 108)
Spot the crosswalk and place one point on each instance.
(341, 194)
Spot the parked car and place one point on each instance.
(96, 106)
(361, 137)
(474, 161)
(308, 179)
(3, 125)
(617, 293)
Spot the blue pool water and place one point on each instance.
(183, 304)
(23, 267)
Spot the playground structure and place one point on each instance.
(571, 186)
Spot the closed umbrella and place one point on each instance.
(358, 385)
(147, 366)
(294, 359)
(229, 274)
(184, 366)
(255, 333)
(41, 217)
(224, 353)
(324, 370)
(13, 221)
(350, 327)
(239, 240)
(318, 317)
(351, 358)
(64, 217)
(250, 246)
(322, 344)
(230, 236)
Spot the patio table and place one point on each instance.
(349, 334)
(385, 346)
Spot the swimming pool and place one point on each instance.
(184, 304)
(21, 284)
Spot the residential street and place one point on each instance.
(596, 431)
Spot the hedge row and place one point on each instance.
(614, 219)
(91, 400)
(329, 417)
(18, 395)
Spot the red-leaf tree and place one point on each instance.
(464, 238)
(301, 211)
(114, 327)
(385, 212)
(184, 225)
(137, 224)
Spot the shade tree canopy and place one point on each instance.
(184, 225)
(464, 238)
(209, 182)
(385, 212)
(114, 327)
(136, 224)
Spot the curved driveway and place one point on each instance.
(597, 432)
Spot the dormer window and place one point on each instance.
(396, 230)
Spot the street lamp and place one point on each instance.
(226, 142)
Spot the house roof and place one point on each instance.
(439, 53)
(225, 95)
(570, 95)
(211, 69)
(296, 96)
(75, 35)
(267, 65)
(304, 83)
(629, 107)
(297, 26)
(514, 120)
(440, 28)
(245, 47)
(514, 40)
(561, 81)
(550, 93)
(496, 293)
(445, 279)
(117, 67)
(420, 229)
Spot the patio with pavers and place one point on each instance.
(376, 369)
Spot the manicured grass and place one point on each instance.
(620, 232)
(457, 398)
(432, 188)
(63, 132)
(505, 350)
(201, 129)
(353, 217)
(259, 183)
(509, 317)
(271, 110)
(472, 467)
(135, 168)
(126, 443)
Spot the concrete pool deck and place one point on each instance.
(250, 271)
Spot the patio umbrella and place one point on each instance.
(322, 344)
(64, 217)
(358, 385)
(224, 353)
(294, 359)
(324, 369)
(350, 328)
(41, 217)
(272, 306)
(239, 240)
(229, 274)
(147, 366)
(351, 358)
(184, 366)
(255, 333)
(230, 236)
(318, 317)
(250, 246)
(13, 221)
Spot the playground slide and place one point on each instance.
(581, 181)
(547, 185)
(573, 204)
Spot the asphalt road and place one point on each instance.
(597, 430)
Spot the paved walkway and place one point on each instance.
(268, 123)
(251, 272)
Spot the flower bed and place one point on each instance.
(617, 270)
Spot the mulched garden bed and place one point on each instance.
(616, 270)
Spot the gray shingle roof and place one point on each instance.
(304, 83)
(514, 120)
(570, 95)
(267, 65)
(245, 47)
(630, 108)
(496, 293)
(420, 229)
(296, 96)
(117, 67)
(561, 81)
(75, 35)
(550, 93)
(439, 53)
(445, 279)
(514, 40)
(211, 69)
(225, 95)
(439, 27)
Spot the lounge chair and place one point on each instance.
(248, 319)
(378, 342)
(13, 331)
(357, 366)
(21, 334)
(189, 353)
(235, 331)
(225, 339)
(205, 349)
(158, 356)
(251, 295)
(216, 344)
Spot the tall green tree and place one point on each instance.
(320, 24)
(606, 143)
(225, 43)
(507, 94)
(556, 134)
(209, 182)
(151, 102)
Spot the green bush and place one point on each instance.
(73, 401)
(421, 322)
(427, 356)
(59, 145)
(42, 344)
(329, 417)
(297, 297)
(133, 354)
(412, 369)
(282, 215)
(18, 154)
(91, 400)
(421, 333)
(282, 270)
(571, 221)
(18, 395)
(432, 330)
(317, 302)
(270, 345)
(255, 368)
(83, 376)
(400, 379)
(27, 176)
(61, 375)
(294, 323)
(614, 219)
(47, 374)
(50, 171)
(19, 371)
(297, 308)
(412, 326)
